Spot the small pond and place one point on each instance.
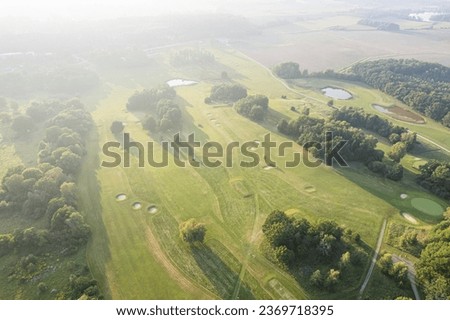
(180, 82)
(335, 93)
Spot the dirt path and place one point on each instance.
(174, 273)
(255, 231)
(411, 274)
(374, 259)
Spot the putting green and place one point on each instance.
(427, 206)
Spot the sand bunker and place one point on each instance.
(257, 142)
(136, 205)
(409, 217)
(399, 113)
(152, 209)
(403, 196)
(268, 168)
(417, 164)
(292, 211)
(310, 189)
(121, 197)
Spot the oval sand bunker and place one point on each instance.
(152, 209)
(136, 205)
(121, 197)
(403, 196)
(409, 217)
(310, 189)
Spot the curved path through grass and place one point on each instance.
(374, 259)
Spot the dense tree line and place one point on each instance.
(306, 129)
(435, 176)
(331, 74)
(163, 113)
(433, 268)
(227, 93)
(288, 70)
(360, 146)
(398, 271)
(72, 80)
(48, 191)
(380, 25)
(440, 17)
(148, 99)
(253, 107)
(406, 238)
(190, 56)
(372, 122)
(49, 188)
(325, 246)
(423, 86)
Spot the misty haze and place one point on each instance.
(100, 102)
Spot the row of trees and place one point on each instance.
(380, 25)
(398, 271)
(288, 70)
(168, 117)
(190, 56)
(360, 147)
(435, 176)
(433, 268)
(48, 192)
(163, 113)
(253, 107)
(406, 238)
(71, 80)
(306, 129)
(226, 93)
(293, 243)
(148, 99)
(49, 188)
(372, 122)
(423, 86)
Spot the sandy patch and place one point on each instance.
(409, 217)
(152, 209)
(136, 205)
(121, 197)
(403, 196)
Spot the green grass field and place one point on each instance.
(232, 202)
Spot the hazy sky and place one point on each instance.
(97, 9)
(100, 8)
(94, 9)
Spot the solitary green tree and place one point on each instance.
(191, 231)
